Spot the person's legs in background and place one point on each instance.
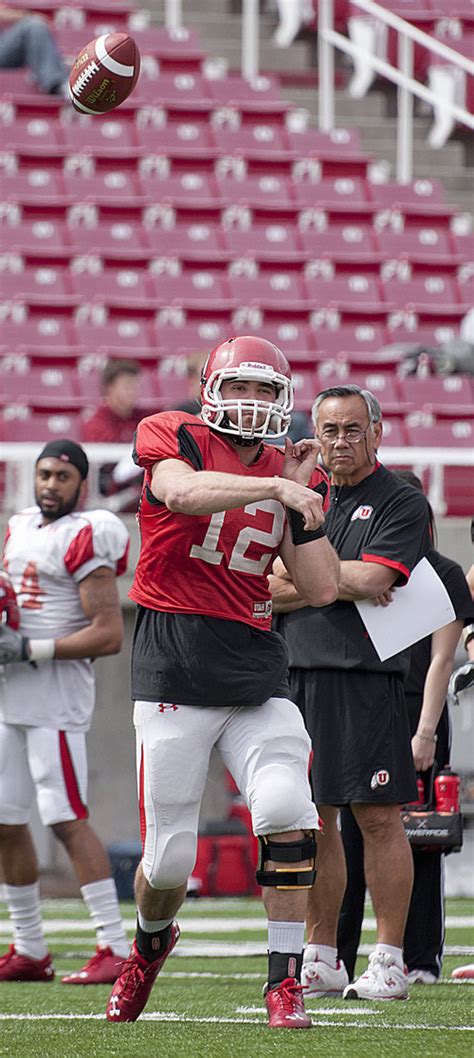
(352, 910)
(30, 42)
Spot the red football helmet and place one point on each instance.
(9, 612)
(249, 359)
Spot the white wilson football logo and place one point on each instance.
(362, 512)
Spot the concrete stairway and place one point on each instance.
(219, 25)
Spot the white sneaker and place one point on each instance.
(319, 978)
(421, 977)
(383, 979)
(464, 973)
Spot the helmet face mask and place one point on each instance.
(247, 359)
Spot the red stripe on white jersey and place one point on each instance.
(80, 550)
(70, 779)
(122, 562)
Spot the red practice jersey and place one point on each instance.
(213, 564)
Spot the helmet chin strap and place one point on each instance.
(243, 442)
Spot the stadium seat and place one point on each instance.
(438, 434)
(422, 243)
(256, 190)
(260, 140)
(37, 185)
(118, 185)
(50, 329)
(353, 242)
(310, 142)
(120, 285)
(111, 135)
(187, 189)
(25, 423)
(204, 286)
(349, 338)
(41, 282)
(50, 381)
(235, 90)
(190, 337)
(438, 392)
(349, 192)
(394, 434)
(351, 289)
(416, 196)
(430, 290)
(118, 335)
(121, 237)
(267, 287)
(268, 240)
(37, 134)
(41, 236)
(172, 88)
(194, 241)
(187, 135)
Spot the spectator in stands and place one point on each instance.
(115, 422)
(62, 609)
(194, 365)
(26, 40)
(431, 664)
(353, 704)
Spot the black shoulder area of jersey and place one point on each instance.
(188, 447)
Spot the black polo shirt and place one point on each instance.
(382, 519)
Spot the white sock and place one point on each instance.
(314, 952)
(23, 902)
(388, 949)
(103, 906)
(152, 927)
(286, 936)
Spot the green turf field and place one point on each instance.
(208, 1002)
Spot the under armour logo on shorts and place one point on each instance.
(163, 706)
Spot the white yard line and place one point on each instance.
(172, 1016)
(202, 925)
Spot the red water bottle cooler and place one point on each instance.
(447, 787)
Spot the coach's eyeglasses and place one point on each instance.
(352, 435)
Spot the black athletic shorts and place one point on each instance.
(358, 724)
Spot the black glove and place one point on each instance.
(13, 646)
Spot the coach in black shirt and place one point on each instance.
(354, 704)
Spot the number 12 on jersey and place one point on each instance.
(209, 552)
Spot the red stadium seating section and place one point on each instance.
(198, 209)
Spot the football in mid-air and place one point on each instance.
(104, 74)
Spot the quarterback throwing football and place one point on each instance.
(218, 504)
(63, 564)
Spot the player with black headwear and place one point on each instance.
(62, 565)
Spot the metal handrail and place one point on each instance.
(408, 86)
(415, 34)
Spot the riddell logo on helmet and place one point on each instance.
(380, 778)
(257, 366)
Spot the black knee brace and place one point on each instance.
(287, 852)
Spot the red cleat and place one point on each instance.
(286, 1007)
(136, 981)
(102, 969)
(16, 967)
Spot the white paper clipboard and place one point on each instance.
(417, 610)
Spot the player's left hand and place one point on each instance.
(301, 459)
(13, 646)
(384, 599)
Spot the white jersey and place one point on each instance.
(46, 564)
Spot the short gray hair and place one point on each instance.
(371, 402)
